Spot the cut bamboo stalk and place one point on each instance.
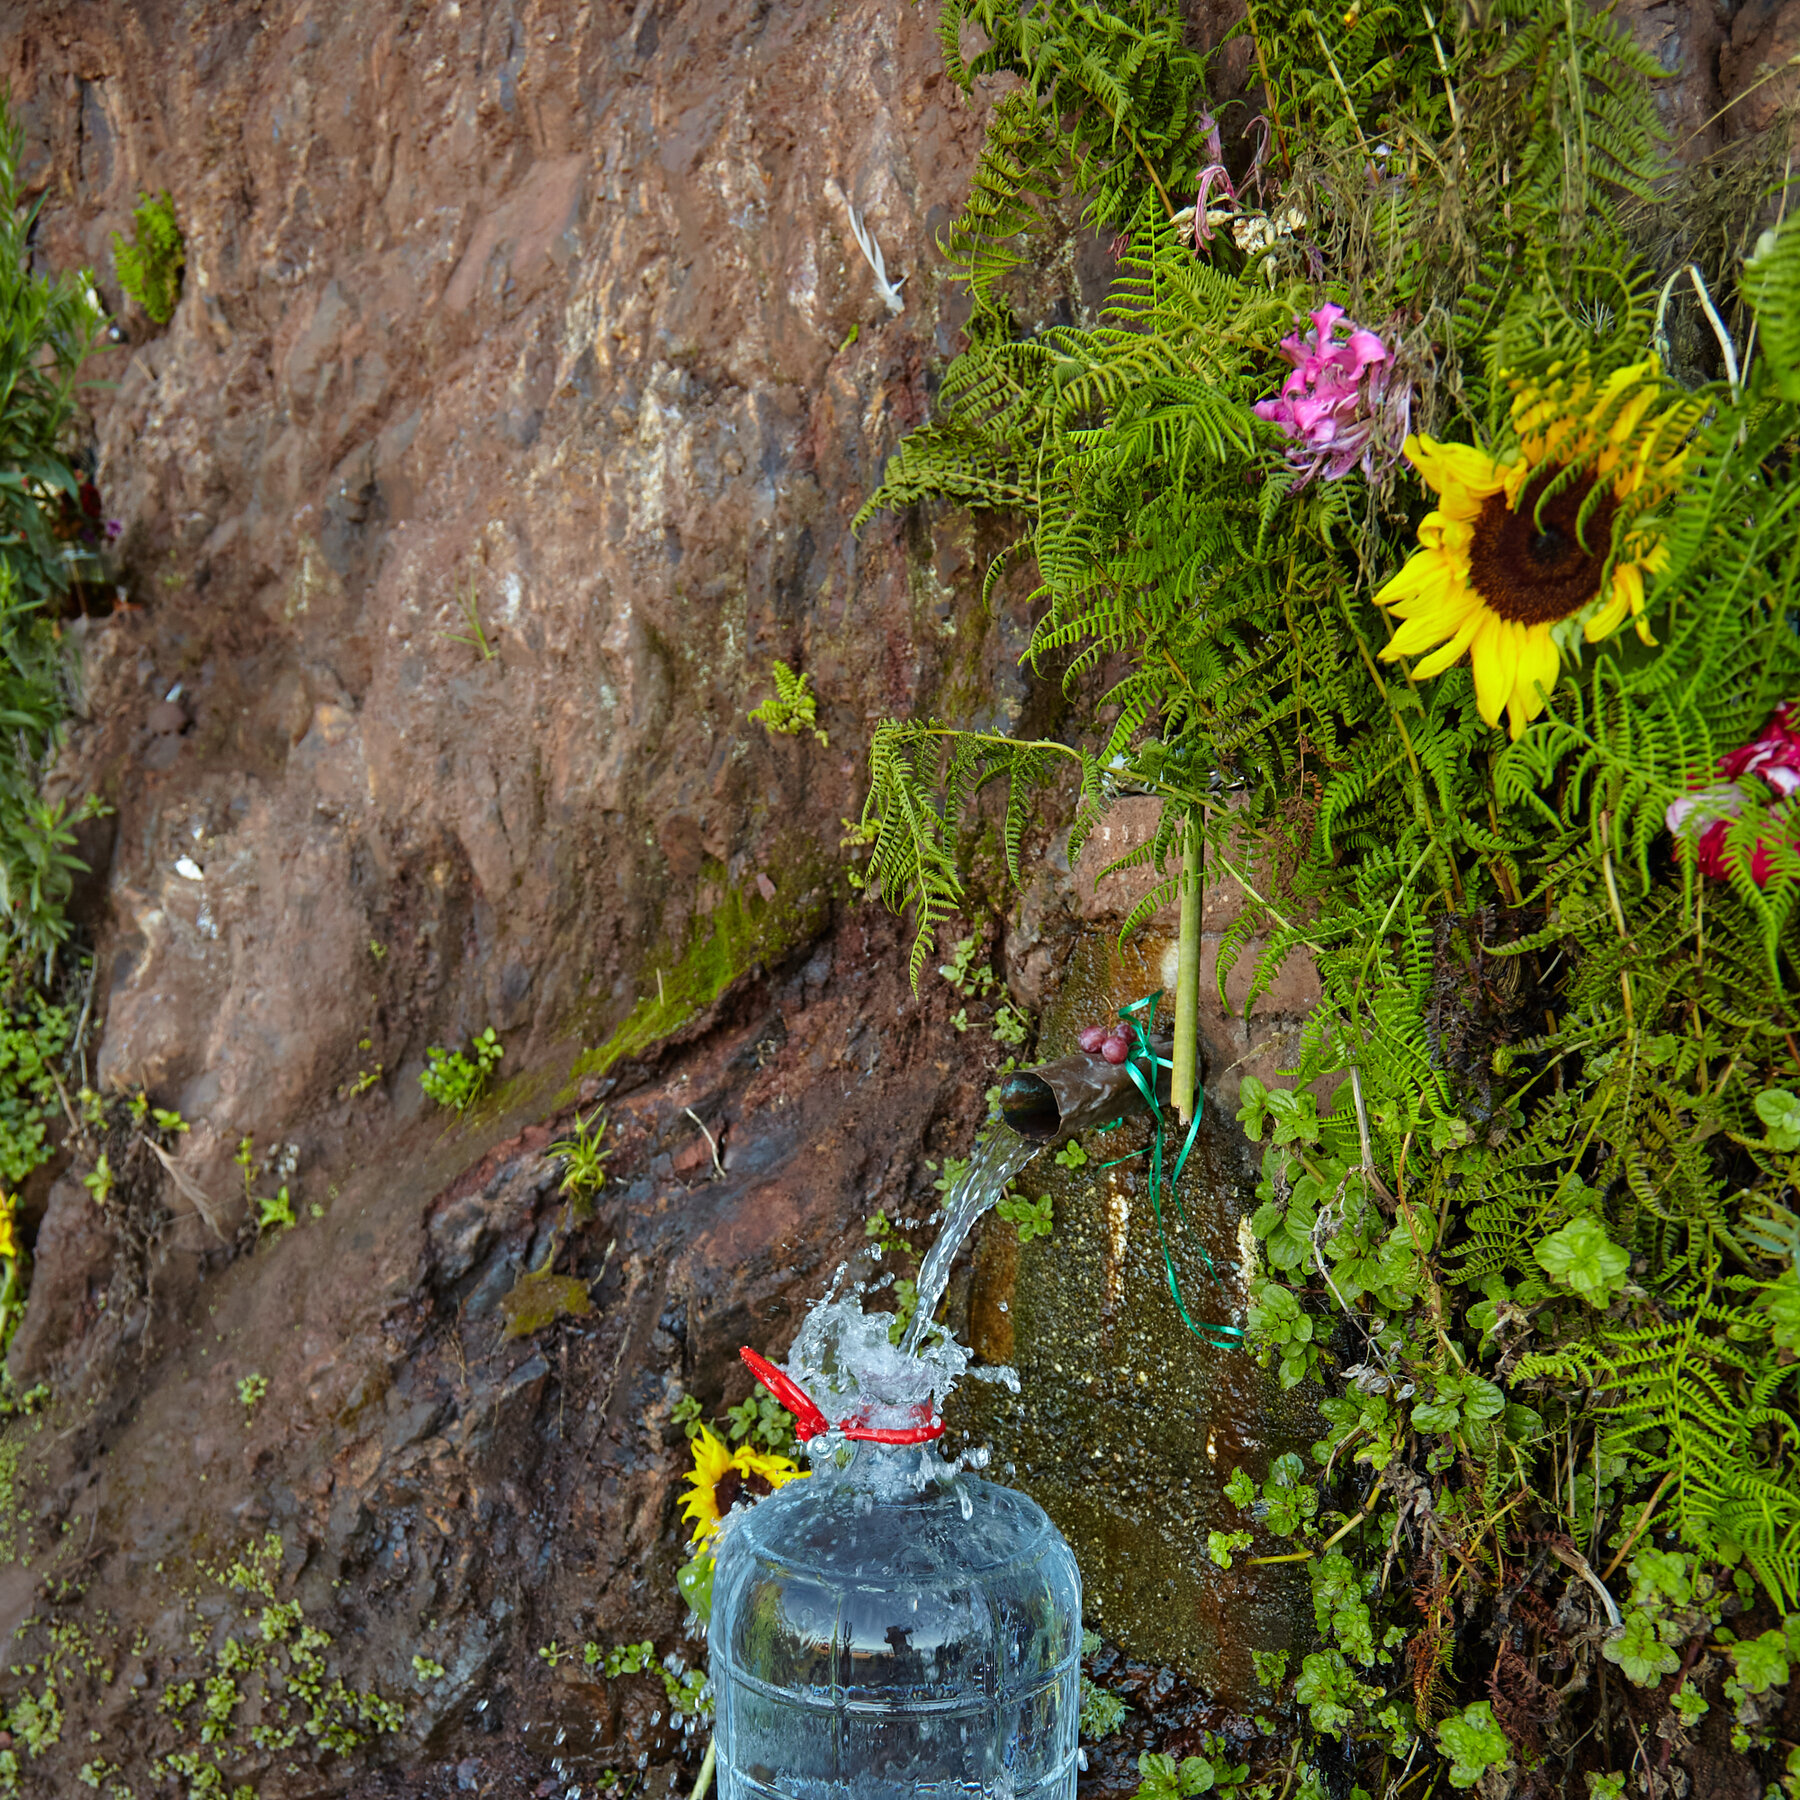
(1185, 1079)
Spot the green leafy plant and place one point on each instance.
(274, 1213)
(792, 708)
(1221, 1546)
(48, 328)
(455, 1080)
(99, 1180)
(584, 1160)
(149, 265)
(1101, 1713)
(1473, 1744)
(33, 1036)
(1584, 1259)
(1161, 1777)
(760, 1419)
(1032, 1218)
(1779, 1110)
(621, 1659)
(250, 1390)
(1523, 1196)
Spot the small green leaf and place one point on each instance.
(1639, 1652)
(1474, 1743)
(695, 1580)
(1781, 1301)
(1253, 1106)
(1780, 1112)
(1690, 1703)
(1761, 1662)
(1220, 1545)
(1427, 1416)
(1270, 1666)
(1582, 1258)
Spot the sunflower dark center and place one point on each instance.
(1542, 562)
(734, 1484)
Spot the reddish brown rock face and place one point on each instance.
(545, 308)
(542, 308)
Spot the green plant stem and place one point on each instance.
(1637, 1531)
(1184, 1078)
(706, 1770)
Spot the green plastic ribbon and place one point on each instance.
(1142, 1064)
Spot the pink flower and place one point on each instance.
(1704, 818)
(1343, 404)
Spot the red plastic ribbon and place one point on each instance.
(809, 1422)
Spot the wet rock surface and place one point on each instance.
(1128, 1425)
(433, 1490)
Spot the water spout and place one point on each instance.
(1058, 1099)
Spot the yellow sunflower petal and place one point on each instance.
(1626, 596)
(1457, 471)
(1438, 531)
(1440, 599)
(1539, 665)
(775, 1470)
(700, 1505)
(1494, 657)
(1448, 652)
(1423, 573)
(1607, 620)
(1430, 619)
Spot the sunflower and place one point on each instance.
(720, 1478)
(1509, 554)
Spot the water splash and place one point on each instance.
(843, 1356)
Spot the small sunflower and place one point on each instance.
(720, 1478)
(1508, 554)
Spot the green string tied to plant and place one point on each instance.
(1142, 1064)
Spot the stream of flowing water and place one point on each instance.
(843, 1356)
(996, 1160)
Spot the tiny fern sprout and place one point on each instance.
(792, 708)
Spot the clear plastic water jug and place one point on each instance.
(889, 1627)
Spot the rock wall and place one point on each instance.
(548, 310)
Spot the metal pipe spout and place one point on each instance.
(1079, 1092)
